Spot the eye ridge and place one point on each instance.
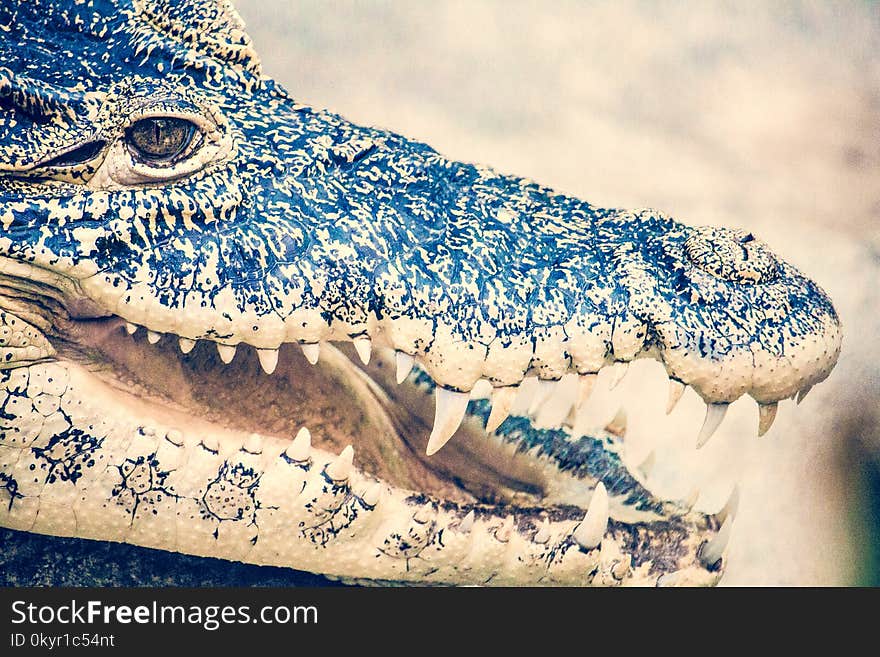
(160, 140)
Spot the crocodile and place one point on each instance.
(234, 325)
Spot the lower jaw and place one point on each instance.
(220, 480)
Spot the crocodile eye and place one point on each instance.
(160, 140)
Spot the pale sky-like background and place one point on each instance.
(752, 114)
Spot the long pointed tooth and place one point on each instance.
(268, 359)
(766, 415)
(676, 390)
(714, 415)
(617, 426)
(153, 337)
(372, 494)
(502, 401)
(448, 414)
(618, 371)
(131, 328)
(585, 388)
(467, 523)
(312, 351)
(802, 394)
(404, 365)
(186, 345)
(714, 549)
(543, 534)
(340, 469)
(505, 530)
(545, 390)
(301, 446)
(364, 348)
(647, 465)
(227, 352)
(730, 507)
(588, 534)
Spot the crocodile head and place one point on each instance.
(194, 267)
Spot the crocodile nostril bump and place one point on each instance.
(732, 255)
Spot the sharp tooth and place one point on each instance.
(503, 533)
(676, 390)
(227, 352)
(802, 394)
(714, 549)
(714, 415)
(502, 401)
(153, 337)
(691, 500)
(545, 389)
(131, 328)
(730, 507)
(364, 348)
(617, 426)
(467, 523)
(588, 534)
(543, 534)
(186, 345)
(525, 393)
(448, 414)
(340, 469)
(404, 365)
(585, 388)
(268, 359)
(647, 466)
(372, 494)
(766, 415)
(312, 351)
(301, 446)
(618, 371)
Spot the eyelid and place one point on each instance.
(175, 110)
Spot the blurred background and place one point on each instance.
(760, 115)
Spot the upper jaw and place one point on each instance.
(725, 339)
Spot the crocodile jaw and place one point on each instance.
(108, 459)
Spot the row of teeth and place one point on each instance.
(588, 533)
(449, 412)
(451, 405)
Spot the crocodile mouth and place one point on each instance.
(339, 402)
(364, 421)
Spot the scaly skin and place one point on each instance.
(283, 224)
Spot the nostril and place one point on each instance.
(731, 255)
